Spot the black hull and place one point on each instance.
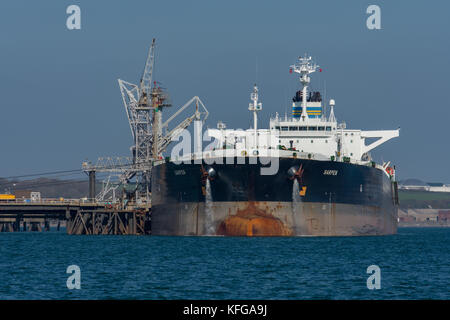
(327, 198)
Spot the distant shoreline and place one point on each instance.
(422, 224)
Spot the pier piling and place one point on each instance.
(79, 218)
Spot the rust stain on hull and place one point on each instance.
(253, 221)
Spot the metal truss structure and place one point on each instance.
(144, 105)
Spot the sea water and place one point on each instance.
(414, 264)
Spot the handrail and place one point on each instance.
(52, 201)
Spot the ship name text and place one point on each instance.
(180, 172)
(330, 172)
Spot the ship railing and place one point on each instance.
(265, 152)
(53, 201)
(262, 152)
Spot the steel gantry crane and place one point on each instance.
(136, 100)
(144, 105)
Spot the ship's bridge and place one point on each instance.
(313, 134)
(310, 130)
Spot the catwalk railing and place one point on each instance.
(78, 215)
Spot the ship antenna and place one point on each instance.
(255, 106)
(256, 70)
(332, 118)
(304, 67)
(325, 99)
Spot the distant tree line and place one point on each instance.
(49, 188)
(410, 199)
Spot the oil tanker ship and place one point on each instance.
(306, 175)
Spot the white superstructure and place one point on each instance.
(308, 133)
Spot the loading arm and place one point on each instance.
(175, 132)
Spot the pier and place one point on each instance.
(109, 221)
(79, 217)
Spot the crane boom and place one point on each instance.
(144, 104)
(146, 79)
(175, 132)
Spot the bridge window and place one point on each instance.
(302, 128)
(284, 128)
(321, 128)
(312, 128)
(278, 128)
(328, 128)
(293, 128)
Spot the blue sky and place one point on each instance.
(60, 101)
